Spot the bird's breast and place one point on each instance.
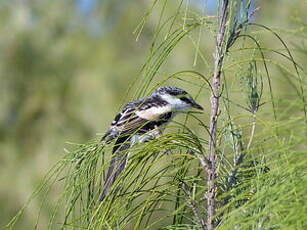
(154, 113)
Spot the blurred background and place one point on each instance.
(65, 68)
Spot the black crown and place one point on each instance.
(172, 90)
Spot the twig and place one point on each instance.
(252, 131)
(215, 98)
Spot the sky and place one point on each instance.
(87, 5)
(86, 8)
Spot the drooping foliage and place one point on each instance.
(260, 146)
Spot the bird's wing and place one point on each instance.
(138, 116)
(127, 121)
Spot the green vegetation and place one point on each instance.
(64, 74)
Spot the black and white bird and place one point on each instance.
(140, 121)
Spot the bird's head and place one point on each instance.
(178, 98)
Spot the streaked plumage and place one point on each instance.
(140, 121)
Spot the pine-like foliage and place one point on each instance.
(260, 142)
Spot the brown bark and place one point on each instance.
(215, 99)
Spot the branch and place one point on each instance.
(215, 98)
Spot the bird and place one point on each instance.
(141, 121)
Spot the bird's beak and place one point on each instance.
(197, 106)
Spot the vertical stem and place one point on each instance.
(215, 99)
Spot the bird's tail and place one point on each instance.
(117, 165)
